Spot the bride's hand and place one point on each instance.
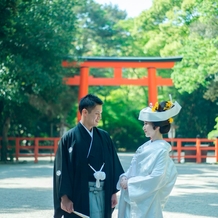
(124, 182)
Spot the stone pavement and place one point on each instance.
(26, 190)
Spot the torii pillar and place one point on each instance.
(117, 63)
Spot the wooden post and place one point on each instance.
(117, 72)
(56, 145)
(84, 85)
(216, 149)
(179, 149)
(152, 85)
(36, 150)
(84, 76)
(17, 149)
(198, 151)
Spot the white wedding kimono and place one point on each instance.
(151, 177)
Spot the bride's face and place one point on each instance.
(150, 130)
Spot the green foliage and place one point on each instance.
(214, 133)
(197, 115)
(181, 28)
(99, 34)
(198, 64)
(34, 36)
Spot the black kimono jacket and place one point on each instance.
(71, 170)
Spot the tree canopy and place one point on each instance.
(34, 36)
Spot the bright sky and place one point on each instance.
(132, 7)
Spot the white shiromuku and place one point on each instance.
(151, 177)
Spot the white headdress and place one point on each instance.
(150, 114)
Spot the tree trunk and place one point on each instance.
(4, 149)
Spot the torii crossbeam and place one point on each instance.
(117, 63)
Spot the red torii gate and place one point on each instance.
(117, 63)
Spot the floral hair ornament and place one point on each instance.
(168, 105)
(170, 120)
(153, 115)
(156, 106)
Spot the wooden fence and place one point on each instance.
(194, 149)
(186, 149)
(31, 147)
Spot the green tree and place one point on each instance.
(98, 31)
(188, 29)
(34, 36)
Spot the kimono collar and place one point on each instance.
(90, 132)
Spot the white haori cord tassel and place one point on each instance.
(99, 175)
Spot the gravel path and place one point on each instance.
(26, 190)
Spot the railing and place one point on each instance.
(182, 148)
(31, 147)
(190, 148)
